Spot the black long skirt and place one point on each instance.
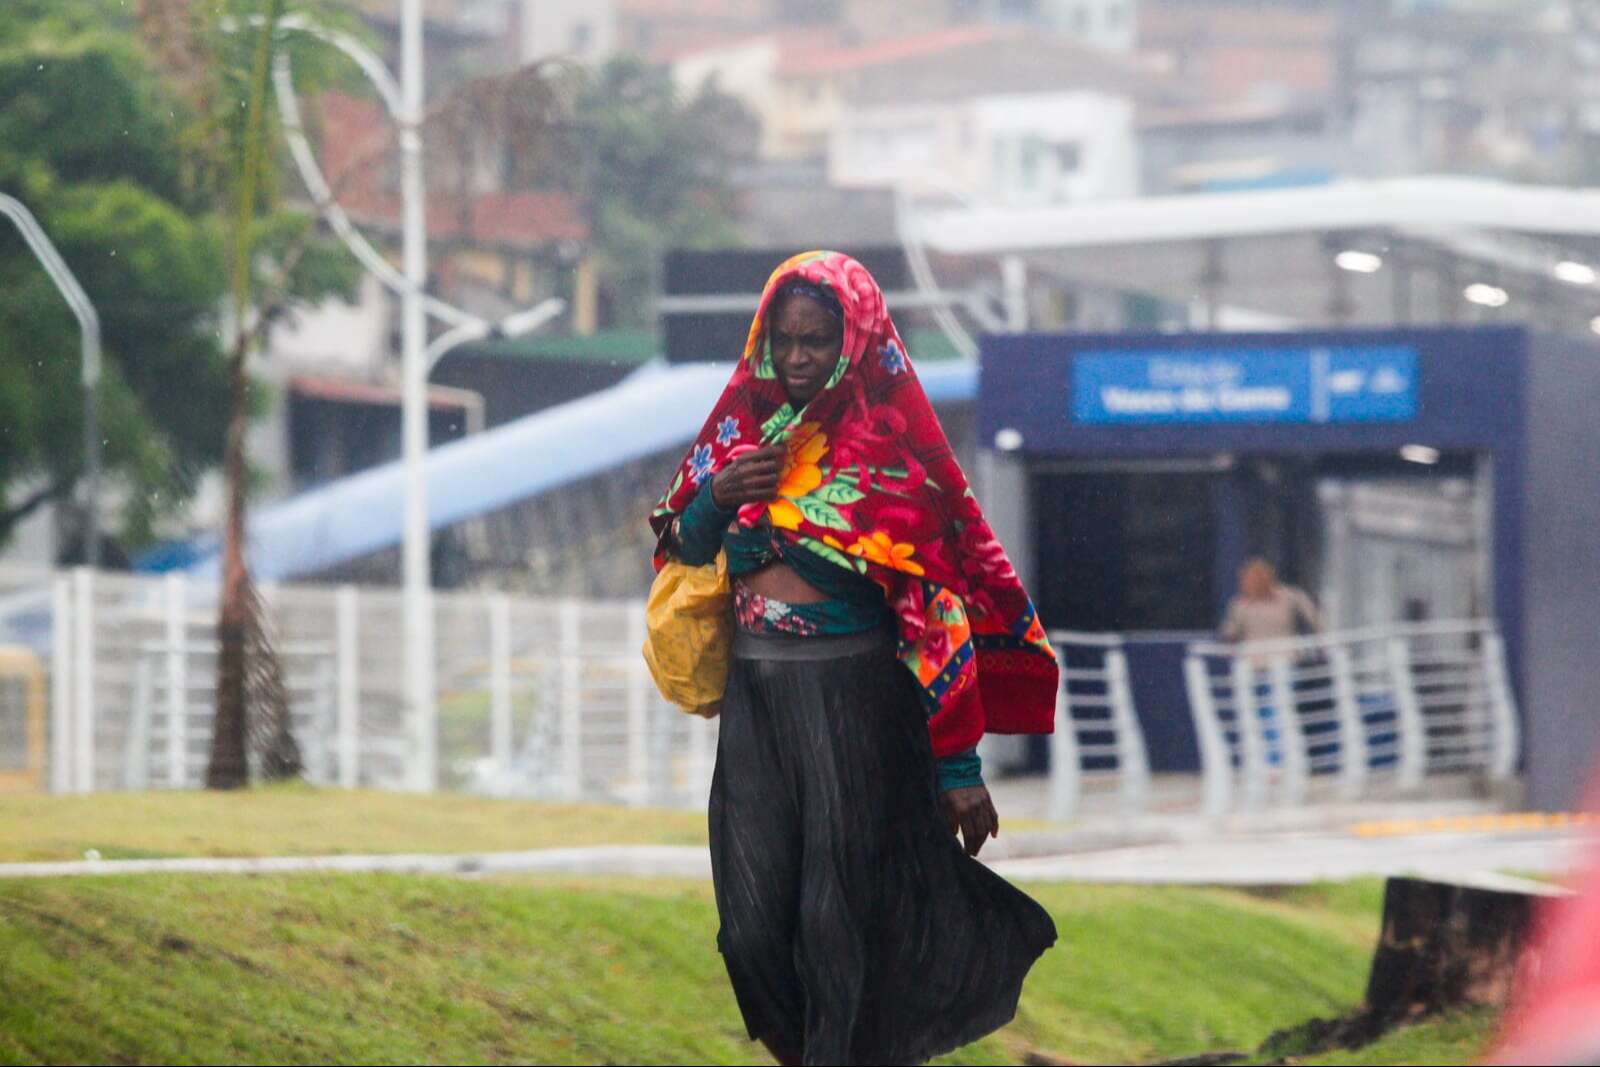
(854, 927)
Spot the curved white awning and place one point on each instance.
(1397, 203)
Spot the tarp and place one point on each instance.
(654, 410)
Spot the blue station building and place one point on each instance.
(1398, 475)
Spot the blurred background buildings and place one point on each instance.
(1147, 177)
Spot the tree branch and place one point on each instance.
(35, 500)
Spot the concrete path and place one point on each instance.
(1289, 859)
(1262, 859)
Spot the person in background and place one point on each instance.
(1265, 609)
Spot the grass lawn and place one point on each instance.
(388, 968)
(294, 819)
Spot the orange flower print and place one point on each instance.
(802, 473)
(878, 547)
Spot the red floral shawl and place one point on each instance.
(872, 485)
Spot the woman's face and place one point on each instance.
(806, 342)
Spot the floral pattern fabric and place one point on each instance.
(765, 615)
(871, 484)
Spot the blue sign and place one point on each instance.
(1371, 383)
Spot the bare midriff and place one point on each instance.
(778, 581)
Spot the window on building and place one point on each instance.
(1017, 10)
(582, 34)
(1069, 156)
(1028, 165)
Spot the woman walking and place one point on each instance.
(880, 630)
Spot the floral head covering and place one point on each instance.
(872, 485)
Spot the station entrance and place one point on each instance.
(1153, 546)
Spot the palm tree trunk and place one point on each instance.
(229, 766)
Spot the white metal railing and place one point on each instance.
(535, 698)
(1097, 738)
(1280, 720)
(551, 698)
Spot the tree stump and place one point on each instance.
(1448, 945)
(1443, 945)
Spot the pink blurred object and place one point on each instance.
(1553, 1016)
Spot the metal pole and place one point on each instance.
(89, 325)
(417, 579)
(1066, 767)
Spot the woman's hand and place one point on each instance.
(750, 479)
(970, 810)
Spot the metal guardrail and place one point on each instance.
(1097, 737)
(1276, 720)
(536, 698)
(547, 698)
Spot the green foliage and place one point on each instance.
(656, 170)
(120, 154)
(91, 142)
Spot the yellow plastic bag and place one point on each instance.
(689, 623)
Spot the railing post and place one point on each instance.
(177, 631)
(1132, 763)
(500, 683)
(325, 701)
(663, 733)
(348, 658)
(83, 680)
(700, 761)
(423, 697)
(1502, 708)
(1216, 765)
(571, 667)
(62, 706)
(136, 746)
(638, 704)
(1291, 740)
(1413, 739)
(1352, 731)
(1066, 768)
(1247, 716)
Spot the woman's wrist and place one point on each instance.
(698, 530)
(959, 770)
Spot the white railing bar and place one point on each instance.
(1075, 637)
(1290, 645)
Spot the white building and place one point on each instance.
(1013, 149)
(584, 30)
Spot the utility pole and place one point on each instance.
(416, 569)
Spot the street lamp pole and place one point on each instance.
(514, 325)
(416, 571)
(405, 101)
(89, 327)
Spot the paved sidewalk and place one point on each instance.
(1297, 858)
(1258, 859)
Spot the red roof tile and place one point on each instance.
(356, 155)
(820, 55)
